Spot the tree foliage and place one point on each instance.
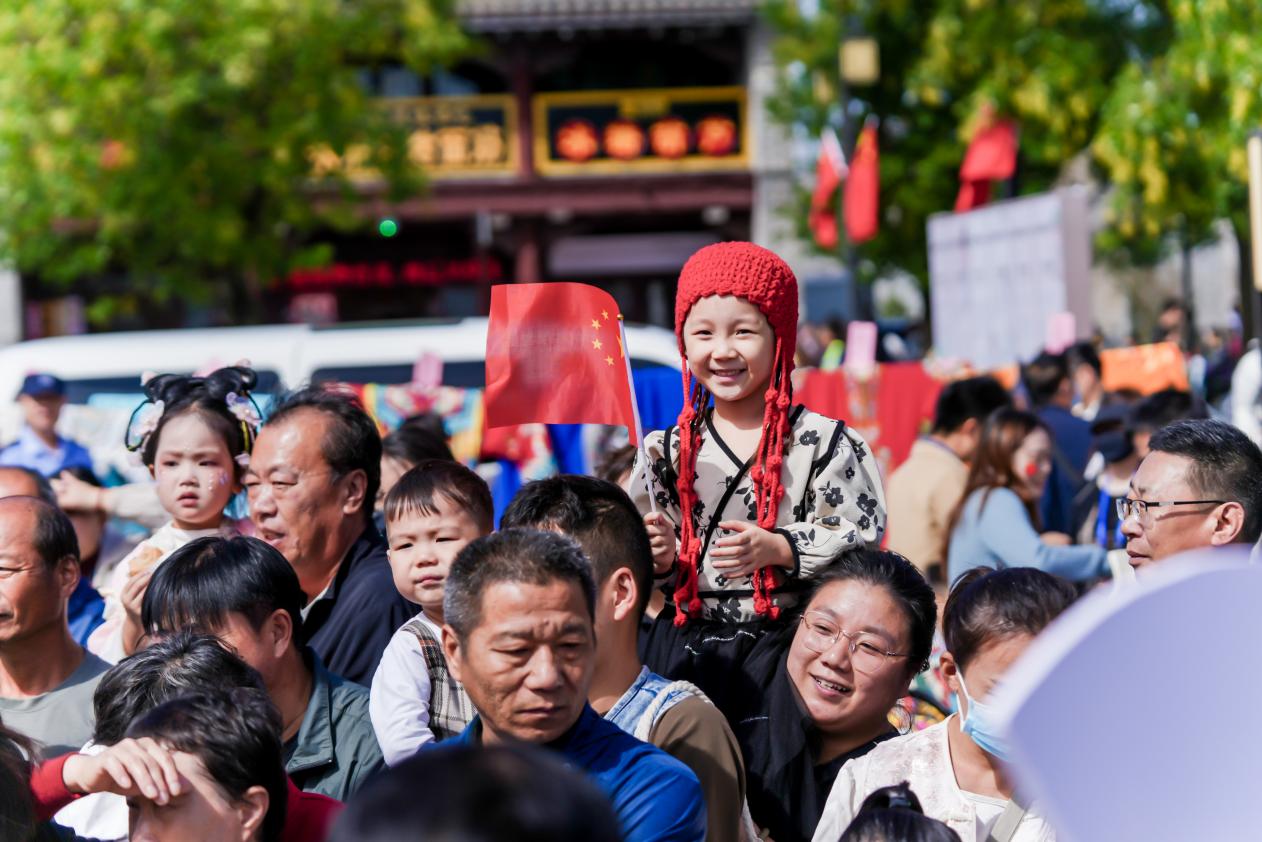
(1172, 139)
(945, 64)
(171, 139)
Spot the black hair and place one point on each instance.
(180, 663)
(17, 813)
(85, 474)
(512, 555)
(974, 397)
(1043, 377)
(617, 463)
(351, 442)
(905, 584)
(1084, 353)
(1165, 407)
(419, 489)
(207, 579)
(894, 814)
(416, 439)
(472, 794)
(43, 488)
(1226, 465)
(597, 514)
(236, 734)
(987, 606)
(208, 398)
(53, 537)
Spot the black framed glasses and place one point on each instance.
(1139, 508)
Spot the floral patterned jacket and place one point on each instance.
(833, 501)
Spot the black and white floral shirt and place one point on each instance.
(833, 501)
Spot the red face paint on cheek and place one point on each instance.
(1031, 469)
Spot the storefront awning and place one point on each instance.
(549, 15)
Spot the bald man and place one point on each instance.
(46, 678)
(85, 610)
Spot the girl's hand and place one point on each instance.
(661, 541)
(132, 598)
(130, 767)
(1056, 539)
(748, 549)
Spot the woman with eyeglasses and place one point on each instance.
(996, 523)
(820, 691)
(956, 768)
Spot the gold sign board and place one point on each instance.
(638, 131)
(450, 137)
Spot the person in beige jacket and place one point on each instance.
(923, 492)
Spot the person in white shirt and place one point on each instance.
(433, 511)
(957, 768)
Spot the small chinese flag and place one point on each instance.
(863, 189)
(830, 172)
(991, 156)
(554, 355)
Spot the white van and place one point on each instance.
(108, 365)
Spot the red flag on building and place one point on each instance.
(991, 156)
(554, 355)
(863, 189)
(830, 171)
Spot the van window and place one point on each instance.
(79, 391)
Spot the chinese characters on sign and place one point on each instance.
(450, 137)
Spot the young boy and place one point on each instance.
(433, 511)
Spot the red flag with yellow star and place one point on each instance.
(554, 355)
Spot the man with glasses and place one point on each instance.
(311, 483)
(1199, 486)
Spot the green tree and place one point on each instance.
(1172, 139)
(945, 63)
(171, 140)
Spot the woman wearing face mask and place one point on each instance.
(957, 767)
(996, 523)
(819, 692)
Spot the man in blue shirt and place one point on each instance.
(1051, 391)
(520, 637)
(38, 446)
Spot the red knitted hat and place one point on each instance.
(762, 278)
(747, 271)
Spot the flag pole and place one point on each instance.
(635, 411)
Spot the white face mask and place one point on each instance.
(978, 724)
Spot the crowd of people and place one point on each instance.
(739, 631)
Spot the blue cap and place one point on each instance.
(42, 384)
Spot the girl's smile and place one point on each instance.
(730, 348)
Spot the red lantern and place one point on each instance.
(669, 138)
(624, 140)
(576, 141)
(716, 136)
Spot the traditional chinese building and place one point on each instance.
(602, 141)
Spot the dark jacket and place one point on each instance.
(1071, 439)
(785, 787)
(351, 624)
(335, 751)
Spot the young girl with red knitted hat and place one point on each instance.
(755, 495)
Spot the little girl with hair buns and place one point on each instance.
(194, 434)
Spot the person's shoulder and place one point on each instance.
(92, 668)
(907, 750)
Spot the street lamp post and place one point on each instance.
(859, 65)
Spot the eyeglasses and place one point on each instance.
(867, 651)
(1139, 508)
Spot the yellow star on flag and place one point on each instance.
(595, 324)
(609, 360)
(596, 344)
(605, 314)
